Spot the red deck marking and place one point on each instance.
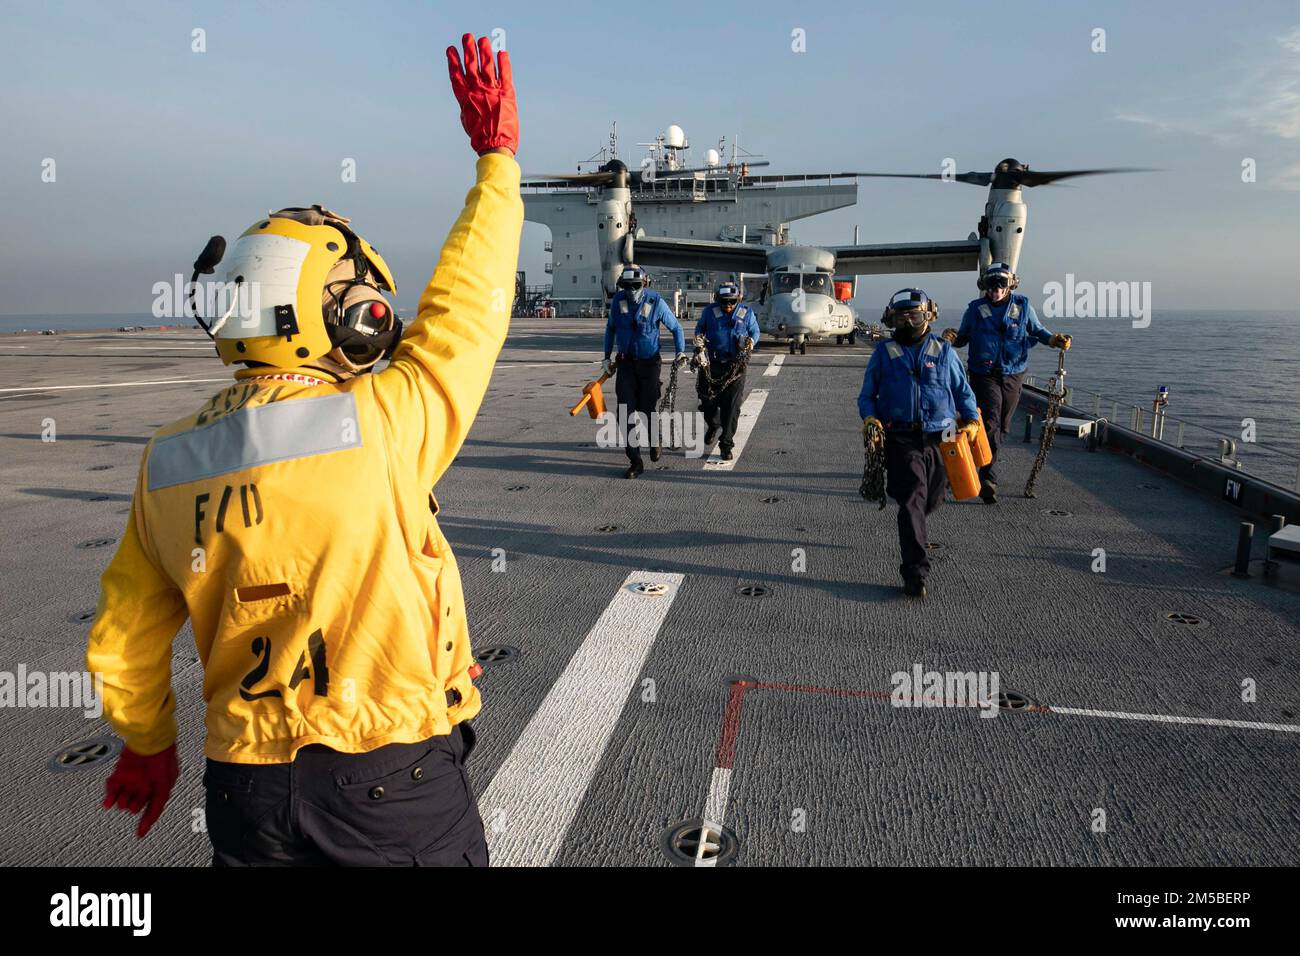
(813, 689)
(726, 755)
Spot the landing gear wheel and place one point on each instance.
(853, 337)
(803, 348)
(839, 340)
(792, 346)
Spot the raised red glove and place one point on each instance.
(142, 783)
(486, 96)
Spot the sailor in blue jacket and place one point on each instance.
(729, 332)
(635, 314)
(916, 390)
(1000, 327)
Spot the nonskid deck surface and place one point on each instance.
(628, 711)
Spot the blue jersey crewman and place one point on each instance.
(1000, 327)
(635, 314)
(915, 391)
(729, 332)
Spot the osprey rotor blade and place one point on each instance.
(974, 179)
(1038, 177)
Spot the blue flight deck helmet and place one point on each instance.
(911, 307)
(998, 272)
(727, 294)
(632, 278)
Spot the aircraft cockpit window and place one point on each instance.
(817, 282)
(787, 281)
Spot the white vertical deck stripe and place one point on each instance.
(748, 418)
(537, 790)
(715, 809)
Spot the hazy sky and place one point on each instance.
(157, 147)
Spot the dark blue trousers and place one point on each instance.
(914, 477)
(399, 805)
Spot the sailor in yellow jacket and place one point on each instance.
(292, 519)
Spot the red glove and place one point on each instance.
(486, 96)
(142, 783)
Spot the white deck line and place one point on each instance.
(157, 348)
(166, 381)
(715, 809)
(748, 419)
(537, 790)
(1166, 719)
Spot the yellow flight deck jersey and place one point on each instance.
(293, 522)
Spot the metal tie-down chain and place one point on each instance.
(703, 368)
(714, 388)
(873, 465)
(1056, 394)
(667, 403)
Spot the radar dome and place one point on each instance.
(674, 137)
(712, 158)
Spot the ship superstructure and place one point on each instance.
(717, 201)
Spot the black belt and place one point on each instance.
(904, 426)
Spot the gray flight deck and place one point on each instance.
(780, 698)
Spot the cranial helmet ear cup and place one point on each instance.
(358, 343)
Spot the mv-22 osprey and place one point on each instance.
(802, 298)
